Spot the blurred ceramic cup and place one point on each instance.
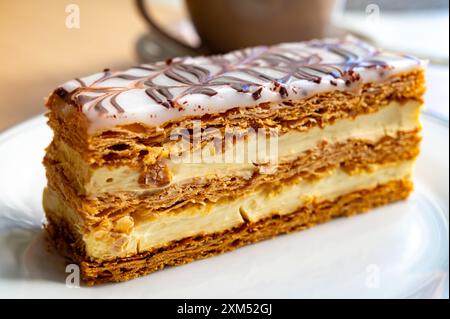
(224, 25)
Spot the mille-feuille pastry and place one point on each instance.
(170, 162)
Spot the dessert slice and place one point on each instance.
(169, 162)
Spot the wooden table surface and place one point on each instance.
(38, 51)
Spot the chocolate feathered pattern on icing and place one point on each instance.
(289, 70)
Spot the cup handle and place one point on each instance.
(143, 10)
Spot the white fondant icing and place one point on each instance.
(177, 91)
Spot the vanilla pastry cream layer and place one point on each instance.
(388, 121)
(127, 238)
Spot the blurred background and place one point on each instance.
(46, 42)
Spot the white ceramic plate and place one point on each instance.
(400, 250)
